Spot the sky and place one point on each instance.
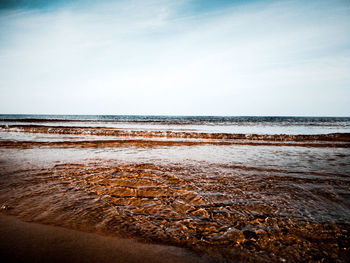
(183, 57)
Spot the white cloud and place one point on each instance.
(135, 57)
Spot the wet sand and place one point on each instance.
(30, 242)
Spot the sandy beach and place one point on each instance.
(30, 242)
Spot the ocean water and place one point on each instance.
(247, 189)
(217, 124)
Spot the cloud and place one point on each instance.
(170, 57)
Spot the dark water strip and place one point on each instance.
(153, 143)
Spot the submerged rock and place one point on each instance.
(201, 212)
(248, 234)
(5, 207)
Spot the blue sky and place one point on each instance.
(175, 57)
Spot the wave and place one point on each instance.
(102, 131)
(153, 143)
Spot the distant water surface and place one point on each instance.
(216, 124)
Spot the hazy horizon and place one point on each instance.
(185, 116)
(177, 58)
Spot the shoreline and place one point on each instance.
(32, 242)
(244, 197)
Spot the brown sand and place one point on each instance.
(31, 242)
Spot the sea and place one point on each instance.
(240, 189)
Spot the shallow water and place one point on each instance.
(225, 196)
(212, 124)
